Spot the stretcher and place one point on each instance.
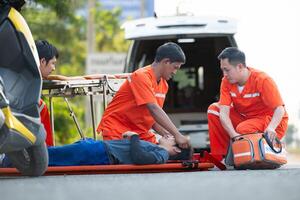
(117, 169)
(100, 85)
(203, 162)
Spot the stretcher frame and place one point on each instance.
(116, 169)
(71, 88)
(200, 162)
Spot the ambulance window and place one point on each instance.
(185, 78)
(183, 90)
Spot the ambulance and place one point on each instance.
(196, 85)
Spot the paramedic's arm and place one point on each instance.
(272, 98)
(163, 120)
(226, 121)
(160, 130)
(276, 119)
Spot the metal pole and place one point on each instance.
(104, 95)
(92, 114)
(72, 114)
(90, 49)
(143, 7)
(90, 28)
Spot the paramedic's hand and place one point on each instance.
(128, 134)
(234, 136)
(182, 141)
(272, 135)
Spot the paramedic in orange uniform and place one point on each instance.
(48, 55)
(249, 102)
(137, 106)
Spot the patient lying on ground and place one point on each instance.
(130, 150)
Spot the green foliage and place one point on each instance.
(65, 128)
(63, 8)
(60, 23)
(109, 36)
(67, 35)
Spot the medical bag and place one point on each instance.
(255, 151)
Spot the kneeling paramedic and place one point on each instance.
(249, 102)
(137, 106)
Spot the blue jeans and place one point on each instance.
(82, 152)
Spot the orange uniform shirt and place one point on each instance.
(45, 119)
(259, 97)
(128, 111)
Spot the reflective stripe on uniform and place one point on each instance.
(129, 79)
(41, 107)
(232, 94)
(160, 95)
(252, 95)
(213, 112)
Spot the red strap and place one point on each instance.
(216, 162)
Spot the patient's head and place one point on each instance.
(175, 152)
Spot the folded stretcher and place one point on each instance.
(118, 169)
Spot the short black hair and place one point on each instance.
(185, 154)
(46, 50)
(234, 56)
(171, 51)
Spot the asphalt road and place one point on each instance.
(281, 184)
